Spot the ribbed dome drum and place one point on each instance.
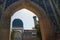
(17, 23)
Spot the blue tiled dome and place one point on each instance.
(17, 23)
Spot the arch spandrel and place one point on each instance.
(43, 17)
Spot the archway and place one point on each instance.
(47, 29)
(30, 20)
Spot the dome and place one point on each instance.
(17, 23)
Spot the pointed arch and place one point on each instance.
(46, 26)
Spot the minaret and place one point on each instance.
(35, 20)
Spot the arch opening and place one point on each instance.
(24, 15)
(30, 21)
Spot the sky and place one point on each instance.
(26, 16)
